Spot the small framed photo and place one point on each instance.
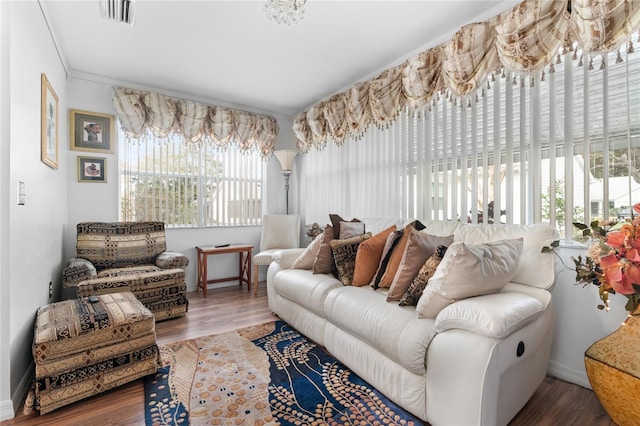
(92, 169)
(48, 123)
(92, 131)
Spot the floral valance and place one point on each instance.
(140, 111)
(523, 39)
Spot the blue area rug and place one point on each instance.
(266, 374)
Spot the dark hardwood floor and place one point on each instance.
(227, 308)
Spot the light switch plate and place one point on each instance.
(21, 193)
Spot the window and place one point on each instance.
(189, 184)
(561, 146)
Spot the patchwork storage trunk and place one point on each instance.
(82, 348)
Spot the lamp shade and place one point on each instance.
(286, 157)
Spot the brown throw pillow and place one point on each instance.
(395, 256)
(368, 257)
(413, 293)
(420, 246)
(344, 254)
(324, 259)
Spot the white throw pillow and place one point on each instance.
(467, 270)
(306, 259)
(351, 229)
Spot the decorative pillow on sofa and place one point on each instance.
(392, 240)
(467, 270)
(351, 229)
(368, 257)
(336, 222)
(324, 264)
(391, 261)
(306, 259)
(420, 246)
(413, 293)
(344, 253)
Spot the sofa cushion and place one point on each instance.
(420, 247)
(324, 264)
(124, 272)
(413, 293)
(336, 222)
(306, 259)
(467, 270)
(375, 225)
(351, 229)
(395, 331)
(392, 240)
(305, 288)
(344, 254)
(535, 269)
(394, 257)
(368, 257)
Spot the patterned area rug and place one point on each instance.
(262, 375)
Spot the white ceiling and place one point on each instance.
(228, 52)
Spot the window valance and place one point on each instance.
(140, 111)
(523, 39)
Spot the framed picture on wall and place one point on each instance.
(48, 123)
(91, 131)
(92, 169)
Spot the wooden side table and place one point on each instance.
(244, 265)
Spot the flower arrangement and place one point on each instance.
(613, 259)
(313, 231)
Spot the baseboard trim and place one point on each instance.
(568, 374)
(6, 410)
(19, 396)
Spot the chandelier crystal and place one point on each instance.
(284, 12)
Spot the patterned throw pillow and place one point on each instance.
(344, 253)
(413, 293)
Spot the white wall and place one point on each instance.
(578, 321)
(6, 406)
(35, 231)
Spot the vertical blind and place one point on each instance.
(561, 145)
(188, 184)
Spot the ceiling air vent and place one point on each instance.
(122, 11)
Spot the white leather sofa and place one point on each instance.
(477, 363)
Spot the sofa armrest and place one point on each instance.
(77, 270)
(494, 315)
(171, 260)
(286, 257)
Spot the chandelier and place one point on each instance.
(284, 12)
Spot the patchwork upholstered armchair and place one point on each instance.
(113, 257)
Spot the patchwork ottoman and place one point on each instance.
(86, 346)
